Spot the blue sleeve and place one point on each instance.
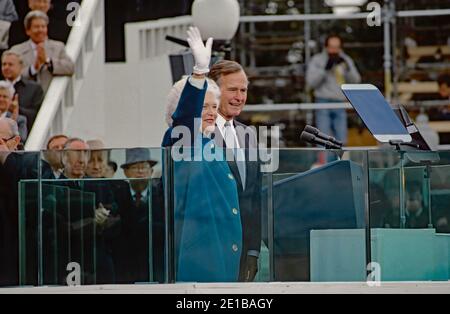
(167, 140)
(190, 106)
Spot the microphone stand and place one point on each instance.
(311, 138)
(427, 177)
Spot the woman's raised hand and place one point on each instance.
(202, 53)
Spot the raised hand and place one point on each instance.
(41, 57)
(101, 215)
(202, 53)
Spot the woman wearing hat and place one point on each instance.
(208, 230)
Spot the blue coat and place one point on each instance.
(208, 229)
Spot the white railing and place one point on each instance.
(62, 94)
(150, 37)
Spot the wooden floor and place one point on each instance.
(272, 288)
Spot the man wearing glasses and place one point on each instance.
(9, 178)
(9, 137)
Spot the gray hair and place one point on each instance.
(13, 127)
(4, 85)
(70, 141)
(35, 15)
(12, 53)
(175, 94)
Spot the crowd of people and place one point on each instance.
(216, 203)
(32, 53)
(229, 215)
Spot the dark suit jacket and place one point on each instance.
(31, 97)
(250, 198)
(16, 167)
(131, 253)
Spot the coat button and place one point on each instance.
(235, 248)
(235, 211)
(231, 177)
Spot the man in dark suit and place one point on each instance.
(30, 93)
(241, 140)
(52, 167)
(141, 210)
(13, 168)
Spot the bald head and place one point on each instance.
(76, 144)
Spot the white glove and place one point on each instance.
(202, 53)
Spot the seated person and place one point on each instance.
(30, 93)
(9, 108)
(43, 58)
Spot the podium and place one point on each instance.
(331, 197)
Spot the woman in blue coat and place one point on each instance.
(208, 228)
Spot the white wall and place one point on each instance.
(123, 103)
(88, 117)
(135, 98)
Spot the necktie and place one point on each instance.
(239, 155)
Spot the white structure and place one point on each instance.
(218, 19)
(121, 103)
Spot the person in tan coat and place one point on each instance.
(43, 58)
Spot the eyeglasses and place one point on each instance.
(6, 140)
(137, 168)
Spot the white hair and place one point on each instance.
(4, 85)
(175, 94)
(36, 14)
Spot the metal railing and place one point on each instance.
(62, 94)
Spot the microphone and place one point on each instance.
(311, 138)
(218, 46)
(177, 41)
(326, 138)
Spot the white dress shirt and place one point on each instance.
(221, 126)
(144, 194)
